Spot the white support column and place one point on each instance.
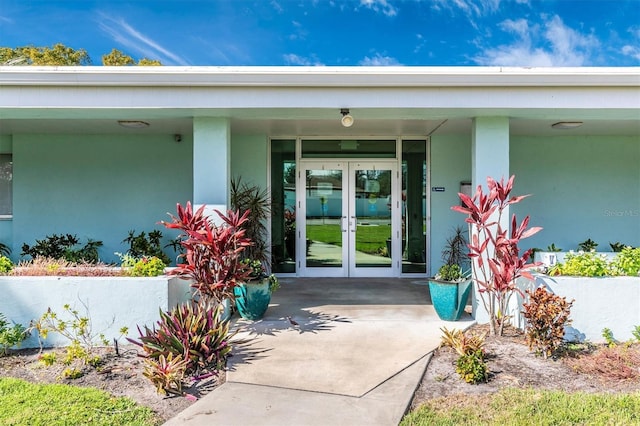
(489, 157)
(211, 163)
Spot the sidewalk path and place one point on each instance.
(328, 352)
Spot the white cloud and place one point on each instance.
(128, 36)
(633, 51)
(471, 8)
(552, 44)
(276, 6)
(5, 19)
(380, 6)
(378, 60)
(293, 59)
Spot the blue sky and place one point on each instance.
(332, 32)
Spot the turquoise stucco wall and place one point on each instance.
(249, 158)
(6, 225)
(582, 187)
(450, 165)
(97, 186)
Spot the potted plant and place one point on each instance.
(450, 287)
(254, 295)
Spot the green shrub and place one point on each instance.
(146, 245)
(462, 343)
(592, 264)
(6, 265)
(82, 339)
(627, 262)
(11, 335)
(546, 315)
(584, 264)
(472, 367)
(142, 267)
(607, 335)
(63, 247)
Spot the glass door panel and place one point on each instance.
(371, 219)
(324, 250)
(351, 221)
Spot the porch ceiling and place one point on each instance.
(162, 123)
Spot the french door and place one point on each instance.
(350, 221)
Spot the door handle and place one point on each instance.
(342, 228)
(352, 225)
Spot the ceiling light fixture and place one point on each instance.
(133, 124)
(566, 125)
(347, 119)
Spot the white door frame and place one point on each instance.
(348, 220)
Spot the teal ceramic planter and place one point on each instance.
(252, 299)
(449, 299)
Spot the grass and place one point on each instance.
(369, 239)
(529, 407)
(24, 403)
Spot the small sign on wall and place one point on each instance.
(437, 189)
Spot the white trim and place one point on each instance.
(319, 76)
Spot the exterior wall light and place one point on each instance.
(347, 119)
(566, 125)
(133, 124)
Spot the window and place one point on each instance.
(6, 185)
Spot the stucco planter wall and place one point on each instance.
(611, 302)
(113, 302)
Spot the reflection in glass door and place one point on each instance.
(370, 220)
(350, 218)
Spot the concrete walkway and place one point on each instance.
(328, 352)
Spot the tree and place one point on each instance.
(117, 58)
(144, 62)
(58, 54)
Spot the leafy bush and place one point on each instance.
(63, 247)
(462, 343)
(142, 267)
(146, 245)
(607, 335)
(213, 252)
(166, 373)
(592, 264)
(5, 250)
(451, 273)
(472, 367)
(11, 335)
(584, 264)
(6, 265)
(546, 315)
(587, 245)
(78, 329)
(470, 364)
(627, 262)
(191, 331)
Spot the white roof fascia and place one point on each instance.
(319, 76)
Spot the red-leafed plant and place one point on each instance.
(546, 315)
(212, 253)
(494, 252)
(192, 331)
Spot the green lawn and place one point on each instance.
(24, 403)
(529, 407)
(369, 239)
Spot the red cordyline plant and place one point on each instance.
(494, 250)
(212, 258)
